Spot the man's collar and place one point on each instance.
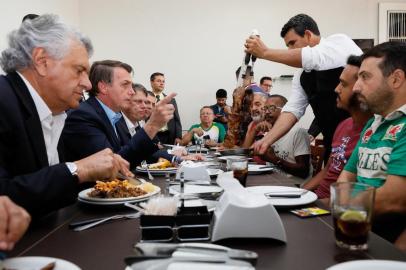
(42, 108)
(113, 116)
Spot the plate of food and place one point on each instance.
(36, 262)
(117, 192)
(161, 167)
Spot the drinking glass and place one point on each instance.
(352, 206)
(239, 166)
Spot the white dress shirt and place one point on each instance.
(130, 125)
(332, 52)
(52, 125)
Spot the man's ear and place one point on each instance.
(308, 35)
(397, 78)
(102, 86)
(40, 60)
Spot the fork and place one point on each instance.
(90, 225)
(144, 164)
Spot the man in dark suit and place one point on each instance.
(172, 132)
(129, 125)
(92, 126)
(39, 86)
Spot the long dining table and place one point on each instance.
(310, 241)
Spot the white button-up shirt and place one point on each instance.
(332, 52)
(52, 125)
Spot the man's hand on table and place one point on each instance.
(103, 165)
(14, 221)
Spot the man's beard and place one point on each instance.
(256, 117)
(378, 101)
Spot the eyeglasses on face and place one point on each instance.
(267, 85)
(271, 108)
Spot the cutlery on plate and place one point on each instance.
(131, 180)
(145, 165)
(98, 222)
(286, 194)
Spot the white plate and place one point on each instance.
(232, 157)
(28, 263)
(370, 265)
(84, 197)
(307, 198)
(195, 189)
(258, 169)
(157, 171)
(213, 172)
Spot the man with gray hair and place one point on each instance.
(47, 66)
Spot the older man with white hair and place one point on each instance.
(47, 66)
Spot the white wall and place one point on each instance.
(13, 12)
(197, 44)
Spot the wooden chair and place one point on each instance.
(317, 158)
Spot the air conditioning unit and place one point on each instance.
(392, 22)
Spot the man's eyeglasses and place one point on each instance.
(271, 108)
(267, 85)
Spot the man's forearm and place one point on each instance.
(284, 123)
(291, 58)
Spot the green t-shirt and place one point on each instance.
(216, 132)
(381, 149)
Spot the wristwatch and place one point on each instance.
(72, 168)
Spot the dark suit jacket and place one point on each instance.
(88, 130)
(25, 175)
(174, 125)
(125, 137)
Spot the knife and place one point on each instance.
(215, 251)
(131, 180)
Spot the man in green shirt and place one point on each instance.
(212, 132)
(379, 158)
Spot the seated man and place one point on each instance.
(266, 84)
(347, 133)
(258, 126)
(91, 127)
(221, 109)
(129, 125)
(213, 133)
(47, 69)
(292, 151)
(379, 157)
(14, 221)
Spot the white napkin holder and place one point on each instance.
(194, 172)
(241, 214)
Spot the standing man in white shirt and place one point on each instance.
(321, 61)
(172, 132)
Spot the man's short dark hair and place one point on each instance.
(354, 60)
(155, 74)
(282, 99)
(150, 93)
(102, 71)
(206, 107)
(300, 23)
(265, 78)
(221, 93)
(30, 17)
(140, 88)
(393, 54)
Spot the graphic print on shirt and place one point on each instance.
(392, 132)
(368, 133)
(338, 154)
(372, 163)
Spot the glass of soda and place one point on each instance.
(352, 204)
(239, 166)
